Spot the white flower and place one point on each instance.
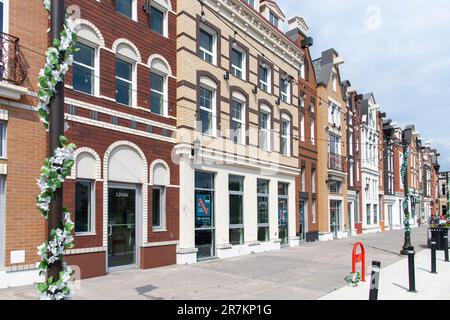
(65, 42)
(47, 4)
(64, 68)
(57, 75)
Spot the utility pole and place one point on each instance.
(56, 129)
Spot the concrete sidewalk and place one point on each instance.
(394, 281)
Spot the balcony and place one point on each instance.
(13, 68)
(337, 162)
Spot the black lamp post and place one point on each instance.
(407, 138)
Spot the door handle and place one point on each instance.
(109, 230)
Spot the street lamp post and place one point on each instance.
(406, 137)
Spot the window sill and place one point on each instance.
(85, 234)
(159, 230)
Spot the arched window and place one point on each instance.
(86, 175)
(127, 57)
(86, 64)
(160, 180)
(159, 93)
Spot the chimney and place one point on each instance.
(298, 24)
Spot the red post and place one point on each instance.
(359, 257)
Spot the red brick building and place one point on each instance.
(306, 189)
(121, 111)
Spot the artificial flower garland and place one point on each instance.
(354, 279)
(404, 172)
(59, 58)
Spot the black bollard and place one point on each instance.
(446, 244)
(412, 271)
(374, 281)
(433, 256)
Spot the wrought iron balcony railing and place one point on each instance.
(337, 162)
(13, 67)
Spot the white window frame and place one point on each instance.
(165, 12)
(133, 81)
(266, 85)
(5, 15)
(214, 44)
(273, 19)
(162, 214)
(4, 139)
(243, 68)
(313, 180)
(287, 136)
(313, 213)
(313, 129)
(134, 12)
(241, 121)
(266, 131)
(165, 92)
(285, 95)
(213, 110)
(92, 211)
(302, 126)
(96, 68)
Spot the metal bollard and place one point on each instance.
(412, 271)
(374, 281)
(433, 256)
(446, 245)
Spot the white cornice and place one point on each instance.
(246, 19)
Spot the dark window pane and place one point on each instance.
(157, 19)
(157, 82)
(263, 210)
(263, 186)
(204, 242)
(204, 180)
(125, 7)
(206, 122)
(236, 212)
(83, 79)
(123, 69)
(156, 208)
(237, 236)
(204, 209)
(206, 40)
(263, 234)
(123, 92)
(236, 183)
(85, 55)
(82, 206)
(283, 189)
(156, 103)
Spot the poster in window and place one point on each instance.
(203, 210)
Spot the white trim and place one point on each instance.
(2, 220)
(144, 191)
(152, 167)
(160, 57)
(97, 160)
(100, 37)
(5, 15)
(116, 44)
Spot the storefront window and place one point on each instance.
(236, 192)
(263, 210)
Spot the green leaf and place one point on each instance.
(63, 140)
(57, 183)
(50, 280)
(43, 83)
(72, 146)
(43, 264)
(53, 233)
(42, 287)
(69, 163)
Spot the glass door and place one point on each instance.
(335, 217)
(302, 217)
(121, 227)
(204, 215)
(283, 213)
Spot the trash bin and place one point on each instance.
(438, 235)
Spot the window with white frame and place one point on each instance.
(285, 136)
(264, 129)
(124, 82)
(313, 180)
(84, 206)
(314, 218)
(285, 90)
(127, 8)
(350, 139)
(160, 179)
(350, 172)
(207, 106)
(302, 126)
(3, 154)
(208, 44)
(236, 207)
(84, 76)
(334, 81)
(334, 114)
(274, 20)
(313, 130)
(238, 120)
(238, 63)
(159, 95)
(159, 17)
(250, 3)
(264, 77)
(302, 69)
(334, 142)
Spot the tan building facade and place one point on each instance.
(237, 128)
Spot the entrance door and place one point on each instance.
(204, 215)
(302, 231)
(121, 227)
(335, 217)
(283, 219)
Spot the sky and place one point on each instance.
(399, 50)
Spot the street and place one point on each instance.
(309, 272)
